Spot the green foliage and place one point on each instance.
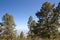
(21, 35)
(8, 27)
(47, 25)
(46, 28)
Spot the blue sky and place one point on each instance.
(21, 10)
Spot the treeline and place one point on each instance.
(46, 28)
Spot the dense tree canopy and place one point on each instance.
(48, 23)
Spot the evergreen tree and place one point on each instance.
(31, 25)
(47, 23)
(22, 37)
(9, 26)
(46, 27)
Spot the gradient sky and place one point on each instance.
(21, 10)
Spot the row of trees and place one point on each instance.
(46, 27)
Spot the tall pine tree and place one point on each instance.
(9, 26)
(47, 25)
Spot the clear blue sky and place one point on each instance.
(21, 10)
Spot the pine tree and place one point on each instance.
(47, 21)
(29, 25)
(22, 37)
(46, 27)
(9, 26)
